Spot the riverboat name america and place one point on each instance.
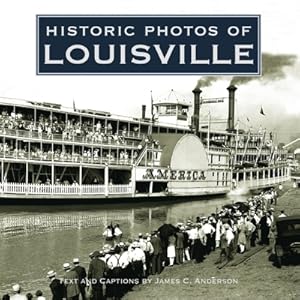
(178, 175)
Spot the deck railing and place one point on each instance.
(75, 158)
(263, 182)
(33, 135)
(43, 189)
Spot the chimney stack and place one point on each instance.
(143, 112)
(196, 115)
(230, 123)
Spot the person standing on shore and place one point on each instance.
(218, 232)
(229, 239)
(264, 228)
(179, 246)
(29, 296)
(156, 263)
(171, 249)
(17, 293)
(193, 235)
(250, 229)
(200, 244)
(138, 261)
(226, 243)
(81, 272)
(114, 289)
(209, 231)
(71, 282)
(272, 239)
(242, 236)
(95, 274)
(39, 295)
(186, 245)
(148, 252)
(57, 288)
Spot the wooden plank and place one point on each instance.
(246, 255)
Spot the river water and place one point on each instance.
(27, 257)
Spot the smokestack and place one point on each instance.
(143, 112)
(196, 116)
(230, 123)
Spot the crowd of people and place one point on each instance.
(87, 156)
(120, 264)
(70, 130)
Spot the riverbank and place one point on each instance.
(255, 278)
(50, 236)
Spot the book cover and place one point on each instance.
(122, 120)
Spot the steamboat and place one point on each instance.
(51, 152)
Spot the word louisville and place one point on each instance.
(148, 44)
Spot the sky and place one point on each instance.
(125, 95)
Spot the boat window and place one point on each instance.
(155, 129)
(162, 110)
(144, 129)
(171, 110)
(6, 110)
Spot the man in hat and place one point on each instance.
(142, 242)
(156, 260)
(96, 274)
(114, 289)
(138, 260)
(57, 288)
(229, 236)
(81, 275)
(71, 282)
(226, 244)
(179, 244)
(91, 255)
(17, 293)
(148, 252)
(264, 229)
(209, 231)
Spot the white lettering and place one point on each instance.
(233, 31)
(182, 54)
(164, 58)
(111, 56)
(141, 54)
(194, 59)
(215, 57)
(80, 61)
(246, 29)
(238, 53)
(48, 60)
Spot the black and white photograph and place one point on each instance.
(149, 150)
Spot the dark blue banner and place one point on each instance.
(147, 45)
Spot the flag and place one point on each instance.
(262, 111)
